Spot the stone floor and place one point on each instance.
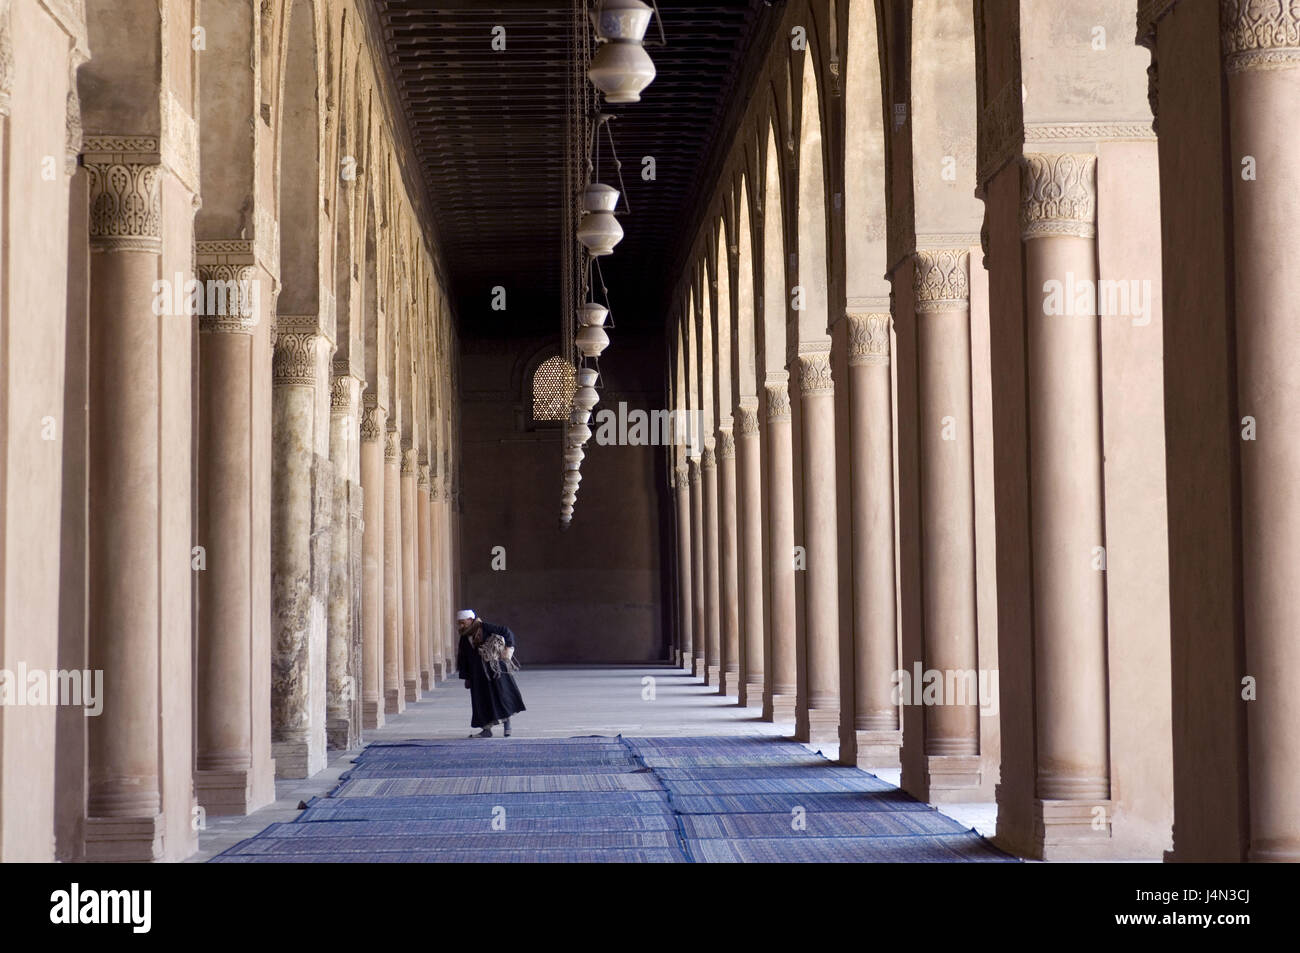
(562, 703)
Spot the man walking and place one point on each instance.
(484, 661)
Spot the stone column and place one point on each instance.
(941, 292)
(372, 582)
(712, 610)
(297, 663)
(875, 617)
(698, 628)
(781, 686)
(729, 591)
(394, 694)
(341, 732)
(410, 590)
(224, 624)
(684, 586)
(124, 819)
(820, 720)
(430, 654)
(749, 514)
(1057, 217)
(446, 530)
(1261, 46)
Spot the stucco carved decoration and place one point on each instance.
(868, 339)
(940, 279)
(1058, 195)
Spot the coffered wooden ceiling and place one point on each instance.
(488, 131)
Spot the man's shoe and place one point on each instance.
(485, 733)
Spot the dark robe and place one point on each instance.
(493, 697)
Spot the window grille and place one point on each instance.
(553, 385)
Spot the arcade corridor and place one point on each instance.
(914, 380)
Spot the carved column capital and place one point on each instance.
(748, 422)
(1058, 195)
(868, 339)
(1260, 36)
(683, 477)
(940, 279)
(372, 420)
(815, 374)
(726, 445)
(230, 298)
(392, 446)
(693, 474)
(342, 391)
(294, 360)
(409, 462)
(124, 179)
(778, 401)
(708, 460)
(422, 477)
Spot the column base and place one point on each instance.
(124, 839)
(878, 748)
(817, 725)
(1073, 830)
(394, 701)
(729, 682)
(697, 666)
(779, 708)
(231, 793)
(426, 681)
(372, 714)
(412, 684)
(751, 692)
(299, 759)
(439, 671)
(953, 778)
(712, 674)
(340, 734)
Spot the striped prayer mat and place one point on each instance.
(743, 799)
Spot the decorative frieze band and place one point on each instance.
(748, 422)
(294, 360)
(778, 402)
(868, 339)
(726, 445)
(940, 279)
(1058, 195)
(125, 196)
(1260, 35)
(232, 291)
(815, 374)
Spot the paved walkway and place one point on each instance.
(648, 702)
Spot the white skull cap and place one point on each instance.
(465, 614)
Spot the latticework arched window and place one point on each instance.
(553, 385)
